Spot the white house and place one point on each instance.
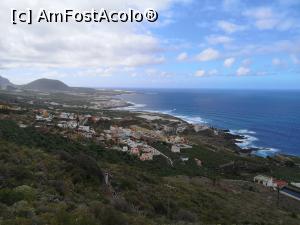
(72, 124)
(184, 159)
(84, 128)
(175, 149)
(264, 180)
(39, 118)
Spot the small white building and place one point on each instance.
(22, 125)
(264, 180)
(72, 124)
(184, 159)
(39, 118)
(64, 115)
(198, 162)
(84, 128)
(175, 149)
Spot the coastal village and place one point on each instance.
(135, 134)
(132, 139)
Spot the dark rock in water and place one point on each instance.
(248, 150)
(234, 136)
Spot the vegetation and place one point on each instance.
(47, 179)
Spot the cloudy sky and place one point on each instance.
(194, 44)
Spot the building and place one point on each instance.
(199, 128)
(135, 151)
(95, 119)
(185, 146)
(22, 125)
(84, 128)
(146, 157)
(264, 180)
(184, 159)
(176, 140)
(4, 107)
(270, 182)
(65, 116)
(198, 162)
(39, 118)
(72, 124)
(279, 183)
(175, 149)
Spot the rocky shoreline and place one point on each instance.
(228, 134)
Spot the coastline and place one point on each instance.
(243, 138)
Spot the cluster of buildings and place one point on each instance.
(42, 115)
(9, 107)
(270, 182)
(291, 190)
(65, 120)
(135, 140)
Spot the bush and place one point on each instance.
(121, 205)
(9, 197)
(26, 191)
(185, 215)
(110, 216)
(23, 209)
(159, 207)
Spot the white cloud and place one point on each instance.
(200, 73)
(74, 45)
(266, 19)
(277, 62)
(229, 27)
(213, 72)
(218, 39)
(229, 62)
(182, 56)
(208, 54)
(230, 4)
(289, 2)
(242, 71)
(295, 59)
(246, 62)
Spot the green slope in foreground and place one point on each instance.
(45, 179)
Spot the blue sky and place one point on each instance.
(194, 44)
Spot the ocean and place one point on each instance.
(269, 120)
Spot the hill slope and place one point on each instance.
(47, 85)
(4, 82)
(59, 182)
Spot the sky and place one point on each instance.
(235, 44)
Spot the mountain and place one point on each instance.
(43, 84)
(4, 83)
(48, 85)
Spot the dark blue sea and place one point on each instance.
(270, 120)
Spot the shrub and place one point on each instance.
(9, 197)
(23, 209)
(109, 216)
(26, 191)
(121, 205)
(185, 215)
